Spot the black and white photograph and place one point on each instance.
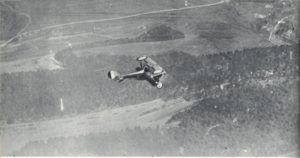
(204, 78)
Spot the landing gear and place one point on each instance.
(159, 85)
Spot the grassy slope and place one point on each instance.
(209, 29)
(256, 114)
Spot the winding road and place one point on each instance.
(23, 29)
(116, 18)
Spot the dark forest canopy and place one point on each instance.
(28, 96)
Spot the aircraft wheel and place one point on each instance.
(159, 85)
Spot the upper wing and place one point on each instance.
(156, 68)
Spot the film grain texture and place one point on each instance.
(149, 78)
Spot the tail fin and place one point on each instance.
(116, 76)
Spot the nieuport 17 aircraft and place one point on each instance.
(148, 70)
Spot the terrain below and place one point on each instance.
(231, 88)
(149, 114)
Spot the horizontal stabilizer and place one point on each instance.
(114, 75)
